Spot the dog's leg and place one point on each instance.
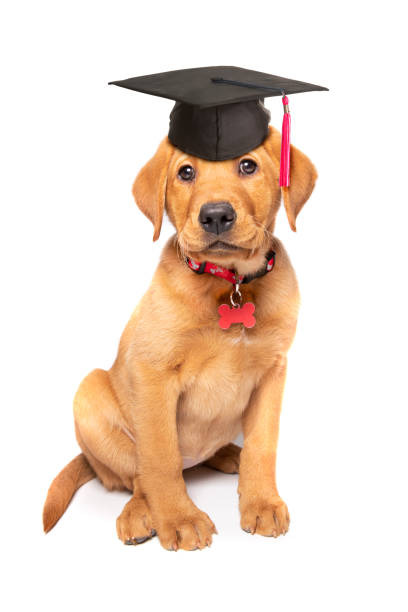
(111, 452)
(262, 510)
(178, 522)
(226, 459)
(134, 525)
(109, 479)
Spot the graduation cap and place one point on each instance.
(219, 112)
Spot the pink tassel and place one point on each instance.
(284, 179)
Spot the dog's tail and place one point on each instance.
(63, 487)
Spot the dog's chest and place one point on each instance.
(217, 390)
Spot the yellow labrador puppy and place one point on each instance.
(182, 388)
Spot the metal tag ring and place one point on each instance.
(236, 294)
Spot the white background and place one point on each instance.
(77, 255)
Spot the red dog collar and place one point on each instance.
(229, 275)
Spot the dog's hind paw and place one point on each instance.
(134, 525)
(226, 459)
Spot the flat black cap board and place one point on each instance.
(219, 112)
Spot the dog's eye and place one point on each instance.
(247, 166)
(186, 173)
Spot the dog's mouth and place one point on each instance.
(219, 245)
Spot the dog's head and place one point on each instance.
(223, 208)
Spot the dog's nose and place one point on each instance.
(217, 217)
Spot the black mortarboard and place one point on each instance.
(219, 112)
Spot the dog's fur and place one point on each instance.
(182, 388)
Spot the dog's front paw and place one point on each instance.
(268, 517)
(186, 528)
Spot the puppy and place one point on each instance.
(182, 388)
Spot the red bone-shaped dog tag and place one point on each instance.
(243, 315)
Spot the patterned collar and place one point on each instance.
(230, 275)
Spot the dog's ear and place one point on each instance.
(149, 188)
(303, 176)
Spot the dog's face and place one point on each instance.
(222, 209)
